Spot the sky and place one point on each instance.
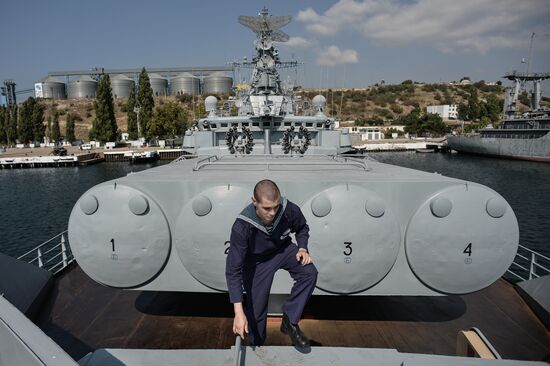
(343, 43)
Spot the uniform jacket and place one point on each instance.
(251, 241)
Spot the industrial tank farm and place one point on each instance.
(50, 88)
(185, 83)
(217, 83)
(159, 84)
(121, 85)
(82, 88)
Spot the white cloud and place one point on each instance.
(332, 56)
(448, 25)
(298, 42)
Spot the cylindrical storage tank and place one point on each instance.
(159, 84)
(121, 85)
(216, 83)
(52, 88)
(185, 83)
(82, 87)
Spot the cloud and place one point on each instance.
(298, 42)
(448, 25)
(332, 56)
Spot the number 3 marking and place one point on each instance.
(348, 246)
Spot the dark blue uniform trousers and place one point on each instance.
(257, 281)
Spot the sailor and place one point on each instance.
(261, 245)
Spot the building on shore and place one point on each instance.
(446, 111)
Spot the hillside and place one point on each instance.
(378, 104)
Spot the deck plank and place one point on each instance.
(81, 315)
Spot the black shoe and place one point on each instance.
(297, 337)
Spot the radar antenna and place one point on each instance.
(265, 23)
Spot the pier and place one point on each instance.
(22, 158)
(126, 155)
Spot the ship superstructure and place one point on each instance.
(267, 121)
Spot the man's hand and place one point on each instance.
(240, 324)
(303, 257)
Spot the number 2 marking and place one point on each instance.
(468, 250)
(348, 246)
(226, 251)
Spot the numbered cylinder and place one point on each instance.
(203, 229)
(354, 238)
(462, 239)
(119, 235)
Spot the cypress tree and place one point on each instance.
(145, 102)
(132, 116)
(11, 130)
(24, 125)
(56, 133)
(69, 129)
(38, 127)
(104, 126)
(3, 124)
(49, 128)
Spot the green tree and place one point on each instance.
(24, 125)
(132, 116)
(145, 102)
(169, 120)
(56, 134)
(49, 128)
(473, 104)
(38, 128)
(11, 129)
(104, 127)
(3, 124)
(69, 128)
(463, 112)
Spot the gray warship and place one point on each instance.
(523, 136)
(405, 258)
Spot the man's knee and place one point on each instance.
(310, 272)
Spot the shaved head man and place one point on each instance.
(260, 246)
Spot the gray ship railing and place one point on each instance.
(270, 160)
(529, 264)
(53, 255)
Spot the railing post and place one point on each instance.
(63, 250)
(39, 256)
(532, 265)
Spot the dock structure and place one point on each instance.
(125, 155)
(49, 161)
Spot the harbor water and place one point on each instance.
(35, 204)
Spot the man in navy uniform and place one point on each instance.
(260, 245)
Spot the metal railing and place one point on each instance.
(269, 160)
(529, 264)
(53, 255)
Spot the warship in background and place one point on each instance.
(524, 136)
(406, 258)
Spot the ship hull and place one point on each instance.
(509, 148)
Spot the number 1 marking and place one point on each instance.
(113, 244)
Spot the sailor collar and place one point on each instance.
(249, 215)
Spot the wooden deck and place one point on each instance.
(81, 316)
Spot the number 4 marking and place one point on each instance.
(468, 250)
